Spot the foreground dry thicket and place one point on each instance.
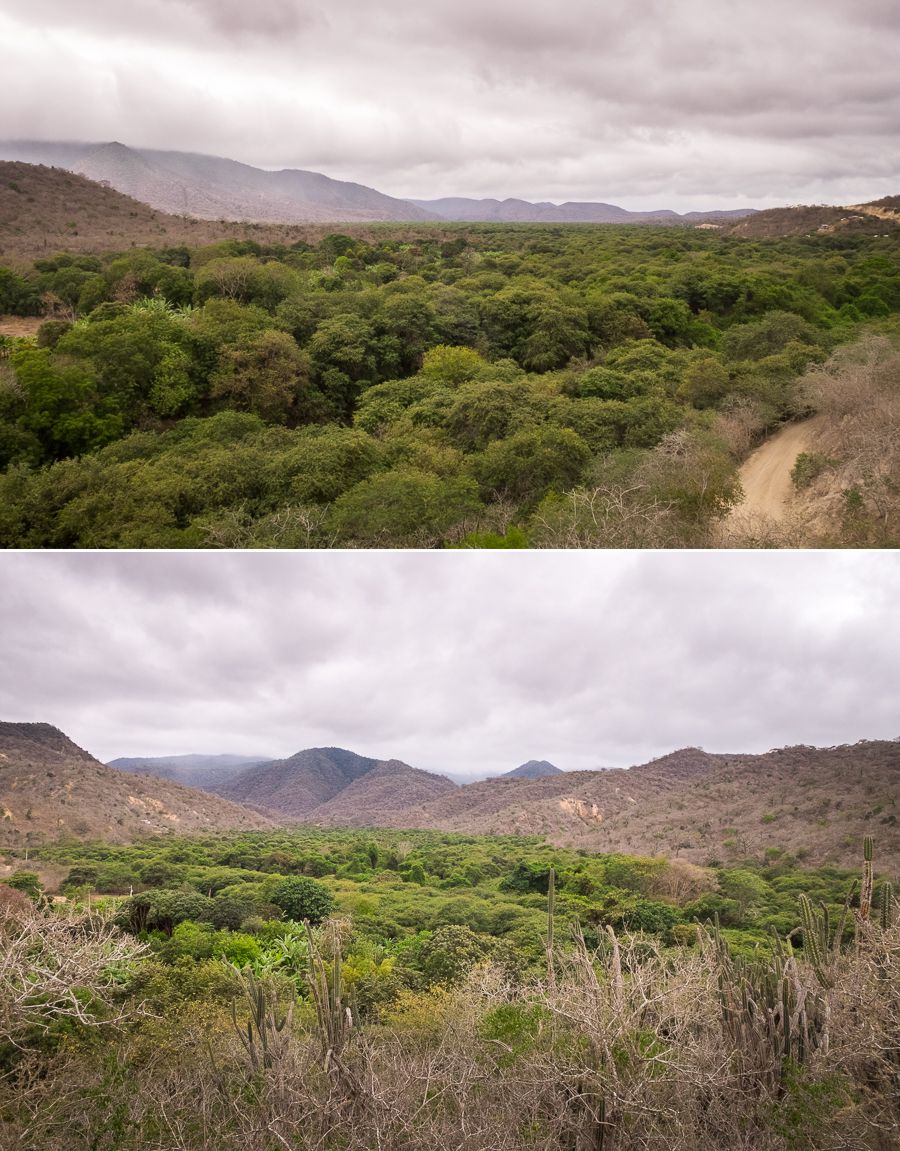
(858, 490)
(624, 1048)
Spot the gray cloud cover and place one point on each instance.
(459, 662)
(648, 103)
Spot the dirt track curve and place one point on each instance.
(766, 473)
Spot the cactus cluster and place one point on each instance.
(769, 1016)
(334, 1018)
(260, 1040)
(821, 945)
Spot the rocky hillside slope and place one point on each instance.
(873, 219)
(52, 789)
(815, 803)
(379, 792)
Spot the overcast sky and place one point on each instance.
(464, 662)
(645, 103)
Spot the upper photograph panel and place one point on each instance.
(467, 276)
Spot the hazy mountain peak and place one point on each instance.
(533, 769)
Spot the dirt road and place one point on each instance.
(766, 473)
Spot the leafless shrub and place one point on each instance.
(55, 965)
(739, 424)
(608, 516)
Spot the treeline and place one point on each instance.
(199, 1011)
(410, 390)
(399, 888)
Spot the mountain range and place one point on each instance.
(814, 803)
(513, 211)
(214, 188)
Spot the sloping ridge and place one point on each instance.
(373, 797)
(812, 219)
(697, 805)
(50, 788)
(45, 210)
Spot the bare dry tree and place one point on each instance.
(59, 964)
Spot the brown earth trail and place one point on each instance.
(766, 473)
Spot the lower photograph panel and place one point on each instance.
(406, 850)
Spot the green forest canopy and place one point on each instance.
(406, 390)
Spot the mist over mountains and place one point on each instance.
(215, 188)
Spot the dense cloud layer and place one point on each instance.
(647, 103)
(470, 663)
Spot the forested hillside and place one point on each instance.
(479, 385)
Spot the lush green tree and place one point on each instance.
(270, 377)
(768, 336)
(406, 506)
(453, 365)
(527, 465)
(27, 882)
(65, 408)
(302, 899)
(18, 297)
(451, 953)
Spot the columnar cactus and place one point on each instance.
(551, 911)
(887, 905)
(865, 895)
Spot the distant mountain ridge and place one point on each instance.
(813, 803)
(191, 770)
(697, 805)
(514, 211)
(45, 210)
(296, 786)
(50, 789)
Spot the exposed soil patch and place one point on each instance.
(20, 325)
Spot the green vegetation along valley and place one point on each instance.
(447, 385)
(408, 990)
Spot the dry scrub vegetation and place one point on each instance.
(625, 1047)
(858, 488)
